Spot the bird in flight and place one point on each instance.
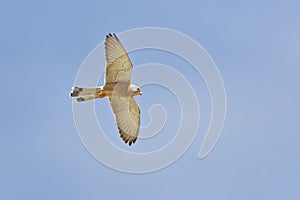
(118, 89)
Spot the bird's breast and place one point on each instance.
(117, 89)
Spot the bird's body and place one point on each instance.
(108, 90)
(118, 89)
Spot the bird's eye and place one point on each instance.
(138, 89)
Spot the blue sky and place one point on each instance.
(256, 48)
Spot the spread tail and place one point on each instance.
(85, 94)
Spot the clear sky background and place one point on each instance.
(256, 46)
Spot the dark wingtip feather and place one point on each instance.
(124, 136)
(111, 35)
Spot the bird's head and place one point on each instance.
(138, 91)
(135, 90)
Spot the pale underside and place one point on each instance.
(117, 80)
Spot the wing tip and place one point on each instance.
(113, 36)
(109, 35)
(127, 138)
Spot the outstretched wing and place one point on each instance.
(127, 114)
(118, 64)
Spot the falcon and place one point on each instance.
(118, 88)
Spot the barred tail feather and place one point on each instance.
(78, 91)
(85, 94)
(85, 98)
